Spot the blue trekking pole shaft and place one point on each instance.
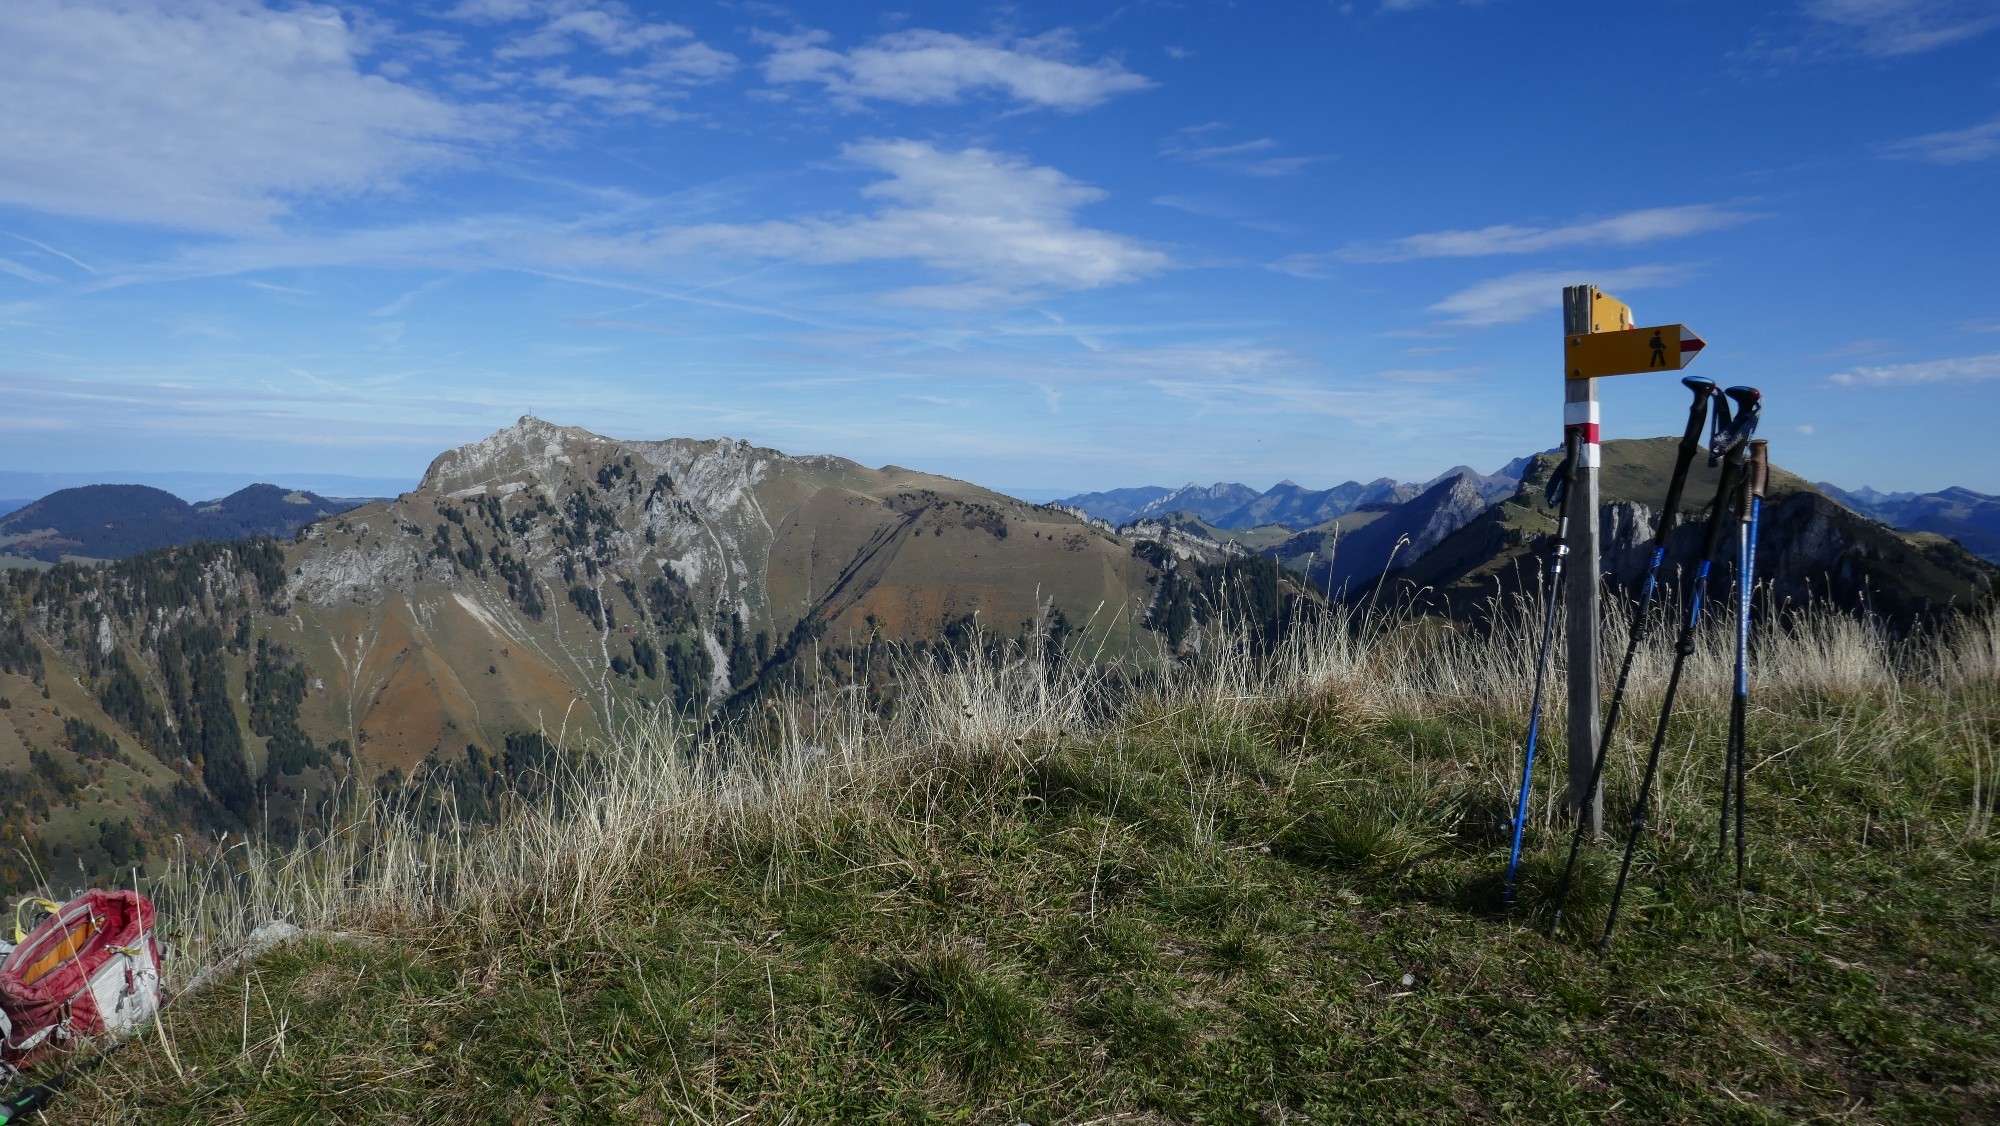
(1758, 473)
(1735, 441)
(1571, 442)
(1683, 648)
(1684, 457)
(1741, 693)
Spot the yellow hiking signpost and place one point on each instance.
(1607, 313)
(1630, 352)
(1600, 338)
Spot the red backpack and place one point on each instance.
(91, 967)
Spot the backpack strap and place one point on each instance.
(49, 906)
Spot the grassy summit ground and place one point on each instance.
(1261, 891)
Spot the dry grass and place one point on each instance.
(653, 791)
(967, 902)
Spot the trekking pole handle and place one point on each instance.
(1756, 473)
(1703, 390)
(1733, 463)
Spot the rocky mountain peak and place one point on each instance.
(530, 451)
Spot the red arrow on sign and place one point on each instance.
(1690, 344)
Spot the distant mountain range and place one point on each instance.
(547, 579)
(1235, 507)
(1810, 546)
(103, 522)
(1464, 537)
(1973, 519)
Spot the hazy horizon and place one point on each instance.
(1069, 247)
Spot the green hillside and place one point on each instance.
(1261, 891)
(1811, 548)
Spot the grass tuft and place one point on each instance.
(1255, 887)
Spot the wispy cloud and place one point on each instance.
(1006, 226)
(1632, 228)
(1198, 144)
(1209, 208)
(627, 326)
(50, 250)
(595, 53)
(1903, 27)
(1956, 146)
(404, 300)
(273, 287)
(1368, 406)
(203, 114)
(1517, 297)
(1960, 369)
(917, 67)
(609, 28)
(24, 272)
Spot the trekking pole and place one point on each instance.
(25, 1105)
(1558, 494)
(1730, 443)
(1690, 445)
(1735, 774)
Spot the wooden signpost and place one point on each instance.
(1600, 339)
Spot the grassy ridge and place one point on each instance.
(1264, 891)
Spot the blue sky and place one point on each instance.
(1056, 247)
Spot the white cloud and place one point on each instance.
(1191, 144)
(1517, 297)
(917, 67)
(1000, 230)
(1632, 228)
(1211, 208)
(1310, 266)
(1957, 146)
(25, 272)
(665, 52)
(1904, 27)
(1960, 369)
(621, 95)
(1008, 227)
(1370, 406)
(1213, 152)
(201, 114)
(654, 60)
(610, 29)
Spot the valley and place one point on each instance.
(542, 585)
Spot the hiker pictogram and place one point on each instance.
(1590, 355)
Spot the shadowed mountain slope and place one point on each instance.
(116, 521)
(1118, 506)
(1809, 547)
(1239, 508)
(1973, 519)
(1296, 507)
(1214, 503)
(1357, 548)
